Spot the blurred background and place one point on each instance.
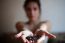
(54, 10)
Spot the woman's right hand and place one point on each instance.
(22, 38)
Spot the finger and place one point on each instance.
(27, 41)
(31, 41)
(54, 36)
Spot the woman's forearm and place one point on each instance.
(49, 34)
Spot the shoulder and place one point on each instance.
(19, 23)
(47, 23)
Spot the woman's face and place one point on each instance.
(32, 11)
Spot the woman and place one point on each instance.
(33, 12)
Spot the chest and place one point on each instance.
(34, 28)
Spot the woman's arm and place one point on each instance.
(44, 31)
(19, 26)
(45, 27)
(22, 32)
(47, 33)
(49, 25)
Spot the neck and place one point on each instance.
(34, 22)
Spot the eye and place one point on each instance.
(28, 9)
(35, 9)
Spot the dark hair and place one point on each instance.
(28, 1)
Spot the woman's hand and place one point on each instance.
(23, 39)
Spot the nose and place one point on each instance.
(32, 13)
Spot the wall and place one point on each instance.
(54, 10)
(12, 11)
